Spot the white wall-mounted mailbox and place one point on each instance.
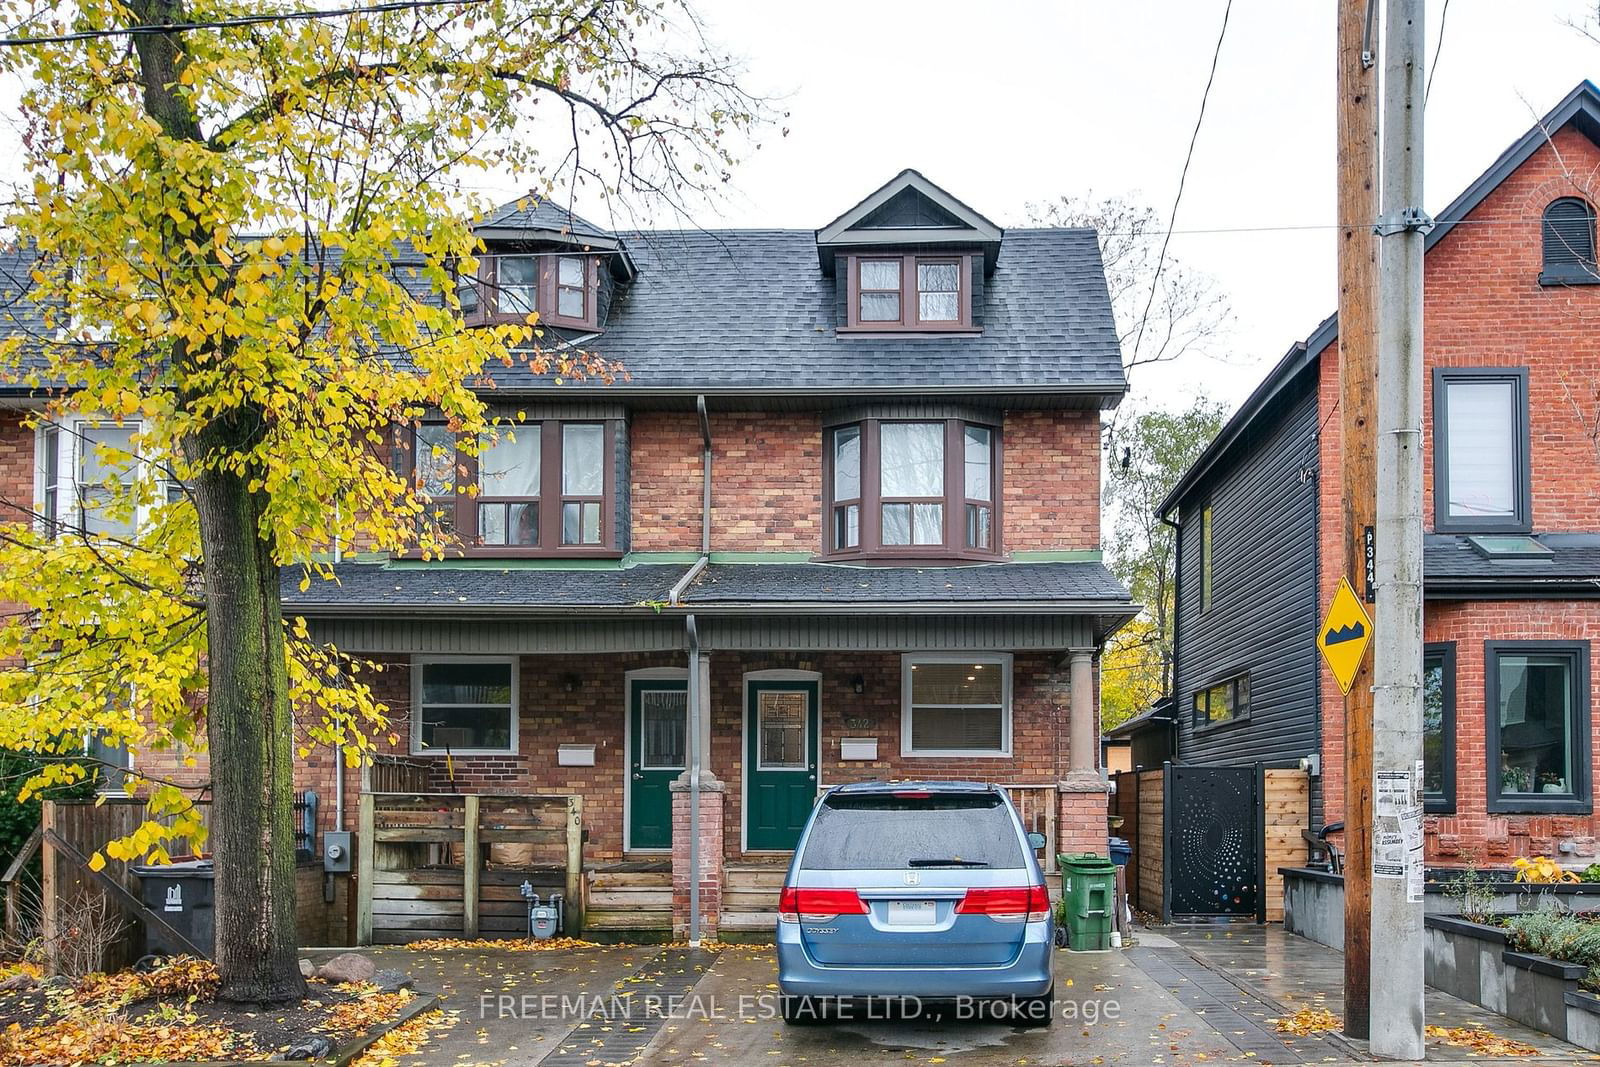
(858, 748)
(575, 756)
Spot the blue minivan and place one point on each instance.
(916, 891)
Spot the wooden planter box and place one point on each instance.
(1471, 961)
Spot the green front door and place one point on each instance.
(658, 715)
(781, 754)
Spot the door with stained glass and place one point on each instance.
(658, 725)
(781, 762)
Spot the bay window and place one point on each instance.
(909, 292)
(510, 286)
(1537, 698)
(534, 488)
(956, 705)
(912, 487)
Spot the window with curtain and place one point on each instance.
(913, 487)
(508, 487)
(1481, 480)
(956, 706)
(533, 488)
(911, 482)
(582, 482)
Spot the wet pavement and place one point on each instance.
(1182, 995)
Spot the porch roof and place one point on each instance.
(1080, 583)
(444, 588)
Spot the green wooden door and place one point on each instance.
(658, 735)
(781, 762)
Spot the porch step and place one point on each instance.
(631, 895)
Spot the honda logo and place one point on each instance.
(913, 878)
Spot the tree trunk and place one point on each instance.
(252, 749)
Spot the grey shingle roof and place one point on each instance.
(410, 586)
(753, 583)
(1451, 564)
(445, 587)
(751, 309)
(531, 213)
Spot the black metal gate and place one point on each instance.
(1213, 860)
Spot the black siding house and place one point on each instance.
(1245, 683)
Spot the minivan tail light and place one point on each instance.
(1008, 904)
(818, 905)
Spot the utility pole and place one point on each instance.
(1397, 1015)
(1358, 370)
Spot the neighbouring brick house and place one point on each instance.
(843, 513)
(1512, 545)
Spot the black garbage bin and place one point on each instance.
(184, 895)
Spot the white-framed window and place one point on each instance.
(80, 463)
(463, 705)
(955, 704)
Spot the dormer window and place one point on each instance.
(510, 286)
(910, 293)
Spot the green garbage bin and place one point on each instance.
(1088, 889)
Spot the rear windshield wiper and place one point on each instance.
(950, 862)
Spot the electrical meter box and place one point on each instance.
(337, 851)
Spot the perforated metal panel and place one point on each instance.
(1213, 841)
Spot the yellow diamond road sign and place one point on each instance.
(1345, 634)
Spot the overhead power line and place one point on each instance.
(1183, 176)
(146, 29)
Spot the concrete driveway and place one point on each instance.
(1196, 997)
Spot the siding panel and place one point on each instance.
(1263, 615)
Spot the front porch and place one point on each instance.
(784, 702)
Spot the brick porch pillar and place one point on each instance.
(712, 794)
(1081, 822)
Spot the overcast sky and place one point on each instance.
(1007, 103)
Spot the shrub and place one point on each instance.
(1473, 894)
(1559, 934)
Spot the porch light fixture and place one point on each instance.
(571, 682)
(858, 684)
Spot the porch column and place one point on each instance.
(1081, 826)
(712, 793)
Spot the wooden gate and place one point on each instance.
(452, 865)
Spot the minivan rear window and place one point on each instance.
(885, 831)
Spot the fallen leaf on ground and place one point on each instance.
(1308, 1021)
(1479, 1040)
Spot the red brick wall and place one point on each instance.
(1051, 480)
(766, 492)
(1038, 723)
(16, 468)
(1484, 307)
(550, 716)
(664, 457)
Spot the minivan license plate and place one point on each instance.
(910, 912)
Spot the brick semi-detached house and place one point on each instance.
(1511, 426)
(853, 473)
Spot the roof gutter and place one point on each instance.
(390, 609)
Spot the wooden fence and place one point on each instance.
(67, 889)
(1037, 806)
(451, 865)
(395, 774)
(1141, 801)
